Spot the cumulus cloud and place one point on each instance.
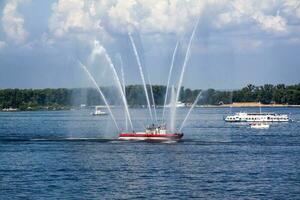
(71, 15)
(270, 23)
(165, 17)
(292, 7)
(263, 13)
(150, 16)
(247, 24)
(146, 16)
(13, 21)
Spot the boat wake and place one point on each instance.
(82, 139)
(115, 141)
(56, 139)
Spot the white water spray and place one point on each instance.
(152, 98)
(169, 78)
(124, 88)
(101, 93)
(141, 73)
(172, 109)
(190, 110)
(116, 77)
(186, 58)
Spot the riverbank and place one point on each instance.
(251, 104)
(282, 95)
(234, 105)
(38, 108)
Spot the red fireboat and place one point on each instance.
(157, 133)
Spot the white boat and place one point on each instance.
(179, 104)
(260, 125)
(257, 117)
(9, 109)
(98, 111)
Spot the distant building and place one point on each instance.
(246, 104)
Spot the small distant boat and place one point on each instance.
(179, 104)
(82, 106)
(98, 111)
(156, 133)
(9, 109)
(260, 125)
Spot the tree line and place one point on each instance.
(25, 99)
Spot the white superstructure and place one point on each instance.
(179, 104)
(98, 111)
(257, 117)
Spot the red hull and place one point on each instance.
(150, 136)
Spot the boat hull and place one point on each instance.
(260, 126)
(262, 120)
(98, 114)
(146, 136)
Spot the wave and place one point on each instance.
(125, 142)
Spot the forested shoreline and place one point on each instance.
(62, 98)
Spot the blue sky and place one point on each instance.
(236, 42)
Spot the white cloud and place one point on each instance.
(263, 13)
(102, 19)
(275, 24)
(146, 16)
(70, 15)
(123, 15)
(227, 18)
(13, 21)
(164, 16)
(292, 7)
(77, 19)
(150, 16)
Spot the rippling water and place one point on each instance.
(72, 155)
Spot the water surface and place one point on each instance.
(73, 155)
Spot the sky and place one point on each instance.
(236, 42)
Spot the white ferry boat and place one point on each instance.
(257, 117)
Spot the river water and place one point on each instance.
(73, 155)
